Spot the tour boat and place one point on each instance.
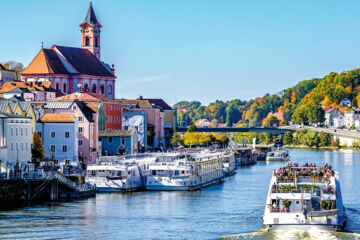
(260, 152)
(190, 171)
(244, 156)
(116, 173)
(304, 198)
(229, 165)
(278, 155)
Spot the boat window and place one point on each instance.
(153, 172)
(182, 172)
(119, 173)
(93, 173)
(176, 173)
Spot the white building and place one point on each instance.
(6, 75)
(15, 140)
(345, 102)
(339, 121)
(351, 117)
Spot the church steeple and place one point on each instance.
(90, 32)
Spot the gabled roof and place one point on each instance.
(90, 16)
(9, 115)
(31, 86)
(137, 103)
(84, 96)
(93, 106)
(159, 102)
(57, 118)
(25, 106)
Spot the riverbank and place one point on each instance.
(321, 148)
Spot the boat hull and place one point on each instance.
(182, 188)
(304, 227)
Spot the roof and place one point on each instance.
(19, 90)
(57, 105)
(93, 106)
(83, 96)
(79, 60)
(159, 102)
(115, 133)
(90, 16)
(57, 118)
(137, 103)
(9, 115)
(31, 86)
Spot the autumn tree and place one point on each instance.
(15, 66)
(37, 150)
(176, 139)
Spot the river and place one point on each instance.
(231, 210)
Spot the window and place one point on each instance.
(64, 148)
(87, 42)
(52, 148)
(12, 131)
(94, 88)
(17, 146)
(80, 143)
(122, 141)
(110, 139)
(74, 107)
(26, 131)
(80, 129)
(22, 131)
(57, 86)
(86, 87)
(52, 134)
(96, 42)
(110, 89)
(22, 146)
(12, 146)
(67, 162)
(26, 146)
(64, 87)
(67, 134)
(39, 133)
(81, 119)
(137, 128)
(102, 89)
(126, 128)
(17, 131)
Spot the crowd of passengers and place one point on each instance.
(305, 170)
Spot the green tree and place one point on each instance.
(176, 139)
(271, 121)
(288, 138)
(325, 139)
(315, 114)
(312, 139)
(192, 127)
(37, 150)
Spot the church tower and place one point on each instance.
(90, 32)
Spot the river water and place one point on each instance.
(231, 210)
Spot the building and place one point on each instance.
(58, 132)
(29, 91)
(71, 69)
(86, 129)
(338, 121)
(330, 114)
(6, 75)
(136, 120)
(111, 107)
(351, 117)
(345, 102)
(118, 142)
(15, 133)
(203, 123)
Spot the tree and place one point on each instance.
(271, 121)
(192, 127)
(176, 139)
(325, 139)
(191, 138)
(288, 138)
(315, 114)
(15, 66)
(37, 151)
(312, 139)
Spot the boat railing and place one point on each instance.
(279, 210)
(290, 191)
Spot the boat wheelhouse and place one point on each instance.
(278, 155)
(190, 171)
(260, 152)
(229, 165)
(244, 156)
(304, 198)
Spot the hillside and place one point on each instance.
(302, 103)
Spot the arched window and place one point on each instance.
(87, 42)
(94, 88)
(86, 87)
(102, 88)
(110, 90)
(64, 87)
(96, 42)
(57, 86)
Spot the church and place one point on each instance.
(71, 69)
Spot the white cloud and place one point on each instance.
(143, 79)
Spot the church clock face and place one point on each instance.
(87, 30)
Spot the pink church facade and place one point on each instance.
(72, 69)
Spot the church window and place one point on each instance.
(86, 87)
(96, 42)
(110, 89)
(94, 88)
(57, 86)
(102, 89)
(87, 42)
(64, 87)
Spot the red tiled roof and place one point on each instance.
(84, 96)
(57, 118)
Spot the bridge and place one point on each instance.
(238, 129)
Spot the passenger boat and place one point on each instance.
(190, 171)
(304, 198)
(278, 155)
(244, 156)
(229, 165)
(116, 173)
(260, 152)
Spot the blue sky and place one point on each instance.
(195, 49)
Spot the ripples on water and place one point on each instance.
(231, 210)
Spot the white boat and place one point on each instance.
(304, 198)
(260, 152)
(111, 174)
(229, 166)
(278, 155)
(187, 172)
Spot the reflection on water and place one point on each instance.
(232, 210)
